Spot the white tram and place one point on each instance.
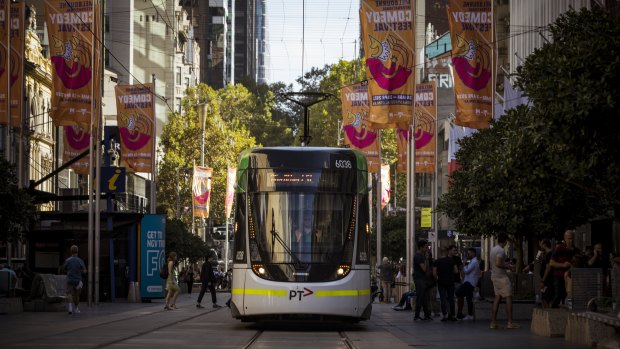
(301, 235)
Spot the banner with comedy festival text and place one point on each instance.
(201, 191)
(230, 190)
(471, 33)
(75, 141)
(385, 185)
(135, 112)
(74, 32)
(358, 131)
(388, 39)
(425, 131)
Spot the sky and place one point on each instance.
(331, 34)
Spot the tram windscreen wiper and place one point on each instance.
(276, 236)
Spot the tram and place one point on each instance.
(302, 235)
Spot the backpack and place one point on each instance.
(163, 271)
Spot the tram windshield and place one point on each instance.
(302, 234)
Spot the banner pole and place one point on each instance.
(99, 122)
(7, 24)
(154, 161)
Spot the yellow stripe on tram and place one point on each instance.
(259, 292)
(342, 293)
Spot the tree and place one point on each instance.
(17, 210)
(572, 83)
(180, 149)
(542, 169)
(183, 242)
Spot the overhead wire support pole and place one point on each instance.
(316, 97)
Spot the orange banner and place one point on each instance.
(230, 190)
(425, 131)
(471, 32)
(4, 82)
(136, 125)
(18, 14)
(201, 191)
(75, 141)
(388, 39)
(385, 185)
(74, 32)
(358, 131)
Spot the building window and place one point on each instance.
(178, 77)
(187, 81)
(178, 105)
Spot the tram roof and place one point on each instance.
(300, 157)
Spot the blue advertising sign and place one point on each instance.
(152, 255)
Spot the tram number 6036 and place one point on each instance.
(343, 164)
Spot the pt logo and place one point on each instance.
(292, 294)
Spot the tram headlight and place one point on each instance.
(343, 270)
(259, 269)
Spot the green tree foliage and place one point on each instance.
(542, 169)
(180, 240)
(17, 209)
(180, 149)
(573, 85)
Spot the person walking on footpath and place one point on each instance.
(386, 273)
(444, 271)
(501, 282)
(74, 268)
(420, 268)
(471, 270)
(172, 282)
(207, 277)
(561, 262)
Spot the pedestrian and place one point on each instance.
(546, 274)
(561, 262)
(405, 301)
(598, 259)
(458, 275)
(444, 271)
(471, 270)
(501, 282)
(74, 268)
(207, 277)
(386, 274)
(189, 279)
(420, 268)
(172, 282)
(431, 286)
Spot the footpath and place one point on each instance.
(149, 325)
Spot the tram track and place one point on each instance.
(86, 326)
(262, 339)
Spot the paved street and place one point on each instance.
(148, 325)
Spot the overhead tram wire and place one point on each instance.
(164, 99)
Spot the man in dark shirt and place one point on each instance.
(561, 263)
(420, 268)
(600, 261)
(207, 277)
(546, 274)
(444, 270)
